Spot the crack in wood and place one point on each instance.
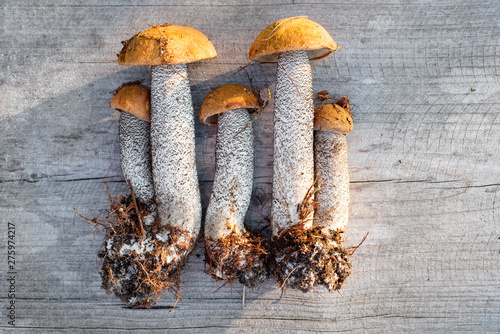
(38, 179)
(403, 181)
(110, 179)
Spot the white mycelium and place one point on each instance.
(331, 162)
(139, 246)
(293, 138)
(232, 187)
(173, 149)
(135, 154)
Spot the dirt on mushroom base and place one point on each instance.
(237, 256)
(138, 268)
(304, 256)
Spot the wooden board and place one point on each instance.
(424, 163)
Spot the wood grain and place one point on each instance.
(424, 163)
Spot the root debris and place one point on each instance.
(139, 265)
(305, 257)
(237, 256)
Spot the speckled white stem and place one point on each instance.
(293, 138)
(135, 154)
(233, 180)
(173, 149)
(331, 162)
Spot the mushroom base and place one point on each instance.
(137, 268)
(305, 257)
(237, 256)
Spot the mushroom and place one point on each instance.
(129, 266)
(132, 99)
(292, 42)
(167, 49)
(332, 123)
(230, 251)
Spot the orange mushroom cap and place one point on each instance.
(292, 34)
(166, 44)
(226, 98)
(333, 118)
(133, 98)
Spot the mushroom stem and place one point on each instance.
(173, 159)
(135, 154)
(331, 162)
(232, 188)
(232, 252)
(293, 139)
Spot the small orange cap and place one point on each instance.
(226, 98)
(333, 118)
(292, 34)
(166, 44)
(132, 98)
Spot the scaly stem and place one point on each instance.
(233, 180)
(135, 155)
(173, 149)
(230, 251)
(331, 162)
(293, 138)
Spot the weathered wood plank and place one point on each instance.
(424, 163)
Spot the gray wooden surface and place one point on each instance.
(424, 163)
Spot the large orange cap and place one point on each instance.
(292, 34)
(132, 98)
(226, 98)
(166, 44)
(333, 118)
